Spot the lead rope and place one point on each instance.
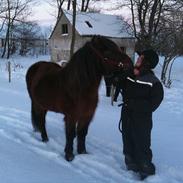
(120, 125)
(120, 121)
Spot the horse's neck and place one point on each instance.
(76, 79)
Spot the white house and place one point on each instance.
(87, 25)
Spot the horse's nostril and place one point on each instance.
(120, 64)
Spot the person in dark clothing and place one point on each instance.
(142, 94)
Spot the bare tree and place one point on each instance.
(145, 20)
(170, 42)
(85, 5)
(58, 6)
(16, 11)
(3, 9)
(82, 5)
(26, 33)
(157, 25)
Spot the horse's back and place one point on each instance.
(37, 71)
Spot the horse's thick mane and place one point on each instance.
(83, 68)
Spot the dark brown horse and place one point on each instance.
(73, 90)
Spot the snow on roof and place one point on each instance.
(100, 24)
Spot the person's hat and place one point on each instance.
(151, 57)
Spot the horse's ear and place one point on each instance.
(94, 38)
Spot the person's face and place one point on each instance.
(138, 64)
(139, 61)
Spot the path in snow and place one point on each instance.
(103, 163)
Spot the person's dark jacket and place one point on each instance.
(143, 94)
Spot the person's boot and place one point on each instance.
(146, 169)
(130, 164)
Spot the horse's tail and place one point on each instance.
(35, 118)
(30, 78)
(34, 111)
(28, 82)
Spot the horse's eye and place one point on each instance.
(105, 59)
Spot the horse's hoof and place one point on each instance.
(45, 140)
(82, 152)
(35, 130)
(69, 157)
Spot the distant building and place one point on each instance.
(87, 25)
(34, 46)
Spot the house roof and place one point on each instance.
(88, 24)
(100, 24)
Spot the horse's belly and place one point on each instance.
(87, 108)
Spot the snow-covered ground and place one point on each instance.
(25, 159)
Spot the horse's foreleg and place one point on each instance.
(70, 128)
(82, 130)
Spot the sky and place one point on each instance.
(43, 13)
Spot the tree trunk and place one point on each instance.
(5, 45)
(169, 81)
(82, 5)
(73, 28)
(69, 5)
(59, 6)
(7, 39)
(86, 6)
(164, 69)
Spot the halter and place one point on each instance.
(107, 60)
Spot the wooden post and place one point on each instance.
(9, 71)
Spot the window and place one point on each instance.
(64, 29)
(89, 24)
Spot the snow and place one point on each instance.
(102, 24)
(25, 159)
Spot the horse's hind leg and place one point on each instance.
(44, 135)
(70, 130)
(82, 130)
(38, 121)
